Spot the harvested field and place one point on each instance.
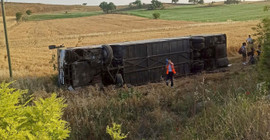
(29, 40)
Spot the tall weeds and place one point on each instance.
(209, 106)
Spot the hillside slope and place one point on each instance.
(12, 8)
(208, 13)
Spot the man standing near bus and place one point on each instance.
(249, 40)
(170, 71)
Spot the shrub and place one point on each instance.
(155, 4)
(107, 7)
(265, 41)
(156, 15)
(138, 3)
(18, 16)
(201, 2)
(263, 34)
(115, 132)
(175, 1)
(28, 12)
(193, 1)
(18, 120)
(231, 2)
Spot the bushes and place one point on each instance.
(200, 107)
(115, 132)
(28, 12)
(156, 15)
(155, 4)
(107, 7)
(263, 34)
(18, 120)
(232, 2)
(18, 16)
(201, 2)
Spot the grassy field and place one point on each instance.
(198, 13)
(62, 15)
(204, 13)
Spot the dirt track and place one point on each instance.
(29, 40)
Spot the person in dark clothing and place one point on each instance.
(244, 52)
(170, 71)
(259, 50)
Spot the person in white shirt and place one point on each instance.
(249, 40)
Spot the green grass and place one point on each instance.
(239, 12)
(50, 16)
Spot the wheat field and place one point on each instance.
(29, 41)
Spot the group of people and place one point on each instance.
(248, 50)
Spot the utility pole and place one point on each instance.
(6, 36)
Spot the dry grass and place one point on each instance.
(203, 106)
(13, 8)
(29, 40)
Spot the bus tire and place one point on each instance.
(107, 54)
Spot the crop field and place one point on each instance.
(29, 40)
(206, 13)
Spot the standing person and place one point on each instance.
(170, 71)
(250, 53)
(259, 50)
(244, 52)
(249, 40)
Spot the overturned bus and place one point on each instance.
(140, 62)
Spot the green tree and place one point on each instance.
(155, 4)
(193, 1)
(201, 2)
(111, 7)
(231, 1)
(103, 5)
(20, 121)
(107, 7)
(175, 1)
(28, 12)
(18, 16)
(138, 3)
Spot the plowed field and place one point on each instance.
(29, 40)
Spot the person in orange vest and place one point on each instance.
(170, 71)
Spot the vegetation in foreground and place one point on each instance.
(205, 13)
(19, 120)
(230, 105)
